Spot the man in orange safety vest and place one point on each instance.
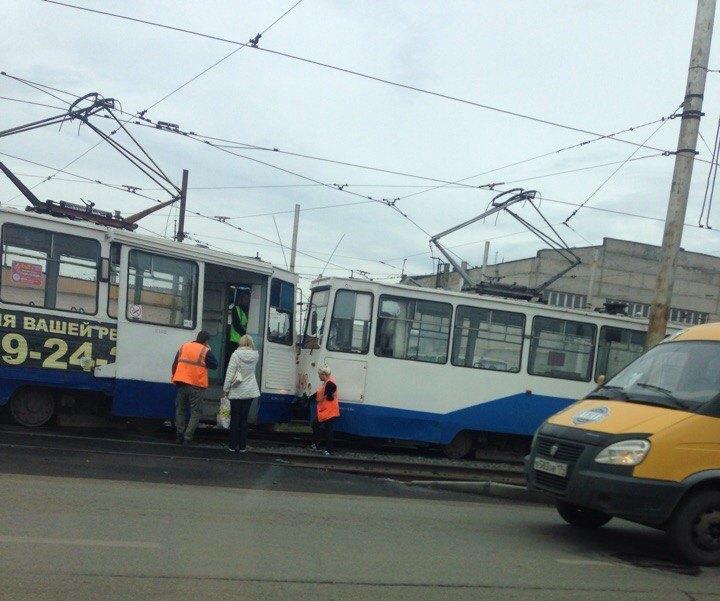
(190, 376)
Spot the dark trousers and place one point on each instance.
(239, 410)
(189, 399)
(324, 434)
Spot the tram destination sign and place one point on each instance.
(55, 342)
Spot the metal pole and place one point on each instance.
(180, 235)
(682, 175)
(293, 249)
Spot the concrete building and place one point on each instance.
(617, 270)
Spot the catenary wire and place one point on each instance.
(348, 72)
(711, 174)
(221, 60)
(615, 171)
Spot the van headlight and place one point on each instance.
(625, 452)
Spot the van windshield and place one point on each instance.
(683, 375)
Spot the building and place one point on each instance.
(616, 271)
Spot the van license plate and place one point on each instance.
(550, 467)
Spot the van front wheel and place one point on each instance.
(695, 528)
(582, 517)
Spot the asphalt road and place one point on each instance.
(118, 523)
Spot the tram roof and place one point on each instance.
(153, 243)
(464, 296)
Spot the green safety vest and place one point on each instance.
(242, 318)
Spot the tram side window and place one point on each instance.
(161, 290)
(114, 285)
(350, 324)
(488, 339)
(282, 308)
(49, 269)
(617, 348)
(413, 329)
(561, 349)
(317, 309)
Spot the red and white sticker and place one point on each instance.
(26, 273)
(135, 312)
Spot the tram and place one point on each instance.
(91, 318)
(447, 368)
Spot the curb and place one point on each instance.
(487, 489)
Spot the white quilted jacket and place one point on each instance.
(240, 382)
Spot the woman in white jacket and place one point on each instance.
(241, 388)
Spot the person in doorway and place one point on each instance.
(190, 376)
(327, 410)
(238, 324)
(242, 389)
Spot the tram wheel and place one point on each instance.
(460, 446)
(32, 407)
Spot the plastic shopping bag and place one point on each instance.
(223, 416)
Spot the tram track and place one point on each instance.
(287, 454)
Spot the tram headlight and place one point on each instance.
(625, 452)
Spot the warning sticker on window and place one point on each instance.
(30, 274)
(135, 312)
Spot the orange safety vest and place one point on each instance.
(327, 409)
(190, 367)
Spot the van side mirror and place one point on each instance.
(600, 379)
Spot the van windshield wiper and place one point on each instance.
(668, 393)
(618, 392)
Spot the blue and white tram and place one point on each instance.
(91, 318)
(446, 367)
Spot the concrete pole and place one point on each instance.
(293, 249)
(593, 277)
(486, 252)
(682, 175)
(180, 235)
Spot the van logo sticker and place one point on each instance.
(596, 414)
(554, 449)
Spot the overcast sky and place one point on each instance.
(597, 65)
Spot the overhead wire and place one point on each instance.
(712, 173)
(349, 72)
(619, 167)
(541, 156)
(221, 60)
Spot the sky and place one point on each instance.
(600, 66)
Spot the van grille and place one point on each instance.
(566, 451)
(550, 482)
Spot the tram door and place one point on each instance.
(159, 309)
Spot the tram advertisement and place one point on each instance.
(55, 342)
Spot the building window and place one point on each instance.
(568, 300)
(413, 329)
(114, 283)
(683, 316)
(47, 269)
(161, 290)
(350, 324)
(487, 339)
(617, 348)
(315, 323)
(282, 309)
(561, 349)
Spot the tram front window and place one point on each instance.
(316, 318)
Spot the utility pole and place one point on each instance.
(682, 175)
(486, 252)
(180, 235)
(293, 249)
